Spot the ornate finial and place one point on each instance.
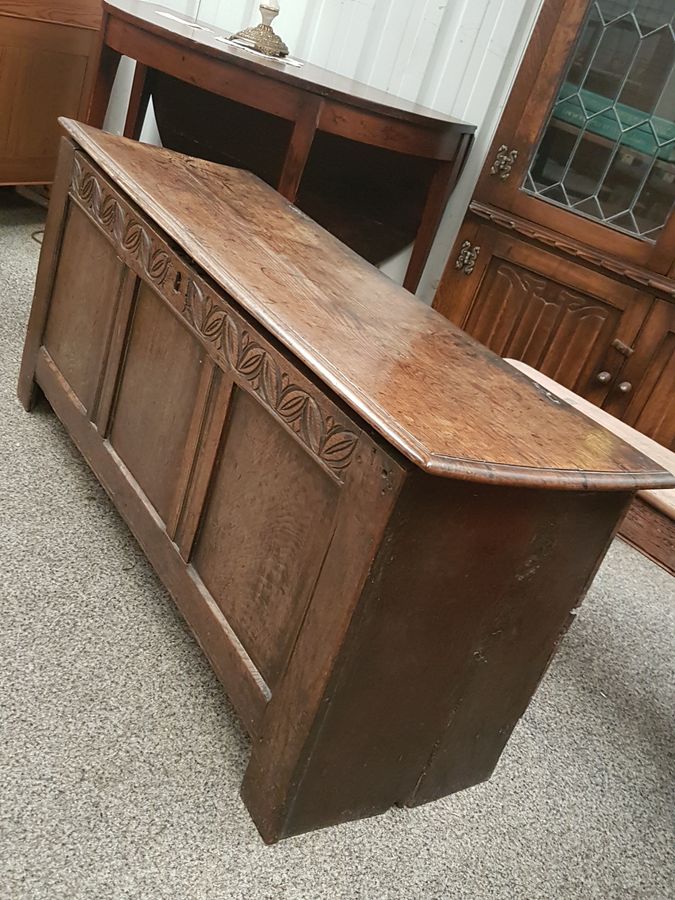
(262, 37)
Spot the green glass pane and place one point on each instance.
(583, 55)
(612, 9)
(657, 197)
(649, 73)
(608, 149)
(619, 43)
(588, 163)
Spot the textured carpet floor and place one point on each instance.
(121, 759)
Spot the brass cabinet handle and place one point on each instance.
(625, 387)
(504, 162)
(466, 261)
(604, 377)
(623, 349)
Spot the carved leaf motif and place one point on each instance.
(213, 322)
(86, 187)
(270, 381)
(292, 403)
(109, 212)
(250, 361)
(77, 176)
(133, 237)
(338, 447)
(231, 341)
(194, 306)
(312, 425)
(158, 265)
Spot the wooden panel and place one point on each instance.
(558, 317)
(163, 360)
(82, 13)
(42, 76)
(652, 532)
(656, 417)
(83, 302)
(649, 375)
(245, 687)
(264, 534)
(446, 650)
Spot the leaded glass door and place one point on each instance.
(589, 150)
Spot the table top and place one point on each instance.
(444, 401)
(309, 78)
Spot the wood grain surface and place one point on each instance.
(446, 403)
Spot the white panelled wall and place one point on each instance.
(457, 56)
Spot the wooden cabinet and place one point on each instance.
(46, 54)
(567, 254)
(322, 470)
(526, 303)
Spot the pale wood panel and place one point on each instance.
(43, 75)
(162, 359)
(264, 534)
(84, 299)
(81, 13)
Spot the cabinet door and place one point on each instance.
(586, 145)
(44, 73)
(644, 394)
(567, 321)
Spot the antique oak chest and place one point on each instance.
(377, 530)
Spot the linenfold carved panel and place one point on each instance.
(545, 324)
(254, 363)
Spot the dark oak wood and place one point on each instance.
(570, 296)
(138, 102)
(211, 86)
(525, 302)
(358, 509)
(651, 531)
(650, 371)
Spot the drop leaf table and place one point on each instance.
(377, 530)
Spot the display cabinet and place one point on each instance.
(566, 259)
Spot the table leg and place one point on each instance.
(108, 63)
(138, 102)
(300, 144)
(442, 184)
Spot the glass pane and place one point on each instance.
(608, 149)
